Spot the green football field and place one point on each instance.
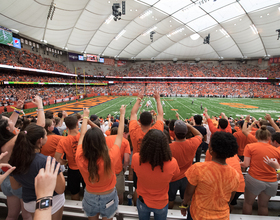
(234, 107)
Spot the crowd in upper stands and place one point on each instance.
(25, 58)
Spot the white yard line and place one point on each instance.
(110, 106)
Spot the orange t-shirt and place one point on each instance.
(153, 185)
(172, 134)
(241, 140)
(214, 184)
(69, 145)
(234, 162)
(137, 135)
(213, 129)
(258, 168)
(50, 147)
(125, 148)
(251, 139)
(105, 182)
(108, 132)
(184, 153)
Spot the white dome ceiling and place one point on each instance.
(80, 26)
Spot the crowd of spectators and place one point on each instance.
(23, 77)
(25, 58)
(8, 94)
(195, 70)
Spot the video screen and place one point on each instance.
(6, 36)
(101, 60)
(92, 58)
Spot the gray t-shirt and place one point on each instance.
(27, 179)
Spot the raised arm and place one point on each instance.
(41, 115)
(119, 137)
(246, 130)
(84, 125)
(159, 106)
(14, 116)
(272, 123)
(224, 116)
(133, 115)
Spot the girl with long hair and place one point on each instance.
(8, 136)
(261, 180)
(97, 165)
(154, 167)
(27, 159)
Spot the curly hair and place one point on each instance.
(155, 149)
(224, 144)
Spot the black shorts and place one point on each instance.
(236, 196)
(180, 185)
(73, 181)
(135, 180)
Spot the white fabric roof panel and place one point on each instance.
(80, 26)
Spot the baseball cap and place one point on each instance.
(115, 124)
(180, 127)
(93, 117)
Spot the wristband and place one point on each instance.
(40, 109)
(85, 117)
(246, 121)
(183, 207)
(139, 98)
(16, 111)
(277, 171)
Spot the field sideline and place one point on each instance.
(234, 107)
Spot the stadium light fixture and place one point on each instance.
(44, 41)
(254, 29)
(194, 36)
(224, 32)
(108, 20)
(175, 32)
(146, 14)
(120, 34)
(149, 31)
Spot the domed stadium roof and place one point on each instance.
(237, 28)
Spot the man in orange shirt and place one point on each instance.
(183, 150)
(137, 132)
(68, 145)
(223, 125)
(241, 140)
(120, 167)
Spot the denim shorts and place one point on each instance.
(7, 189)
(105, 205)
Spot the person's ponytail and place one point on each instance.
(25, 146)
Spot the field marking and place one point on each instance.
(109, 106)
(175, 111)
